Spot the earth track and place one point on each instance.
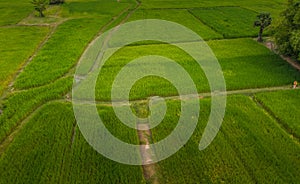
(270, 45)
(200, 95)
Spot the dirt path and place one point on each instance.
(147, 155)
(200, 95)
(270, 45)
(291, 61)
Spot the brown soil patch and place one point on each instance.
(147, 155)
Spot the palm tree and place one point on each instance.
(263, 21)
(40, 6)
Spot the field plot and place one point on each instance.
(248, 64)
(182, 17)
(52, 17)
(85, 165)
(249, 148)
(14, 11)
(149, 86)
(40, 141)
(19, 105)
(61, 52)
(284, 105)
(225, 20)
(259, 6)
(159, 4)
(45, 140)
(274, 8)
(251, 65)
(52, 152)
(17, 44)
(95, 8)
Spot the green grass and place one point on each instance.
(50, 153)
(249, 148)
(182, 17)
(248, 64)
(218, 163)
(88, 166)
(94, 7)
(273, 7)
(284, 105)
(14, 11)
(262, 5)
(17, 44)
(46, 140)
(61, 52)
(231, 22)
(150, 86)
(245, 64)
(19, 105)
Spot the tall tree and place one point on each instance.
(263, 21)
(40, 6)
(287, 31)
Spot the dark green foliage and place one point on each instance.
(56, 1)
(263, 21)
(287, 32)
(40, 6)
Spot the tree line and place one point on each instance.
(287, 31)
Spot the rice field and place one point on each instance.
(180, 16)
(17, 44)
(225, 21)
(283, 105)
(249, 148)
(55, 151)
(40, 140)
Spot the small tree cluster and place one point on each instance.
(287, 32)
(40, 6)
